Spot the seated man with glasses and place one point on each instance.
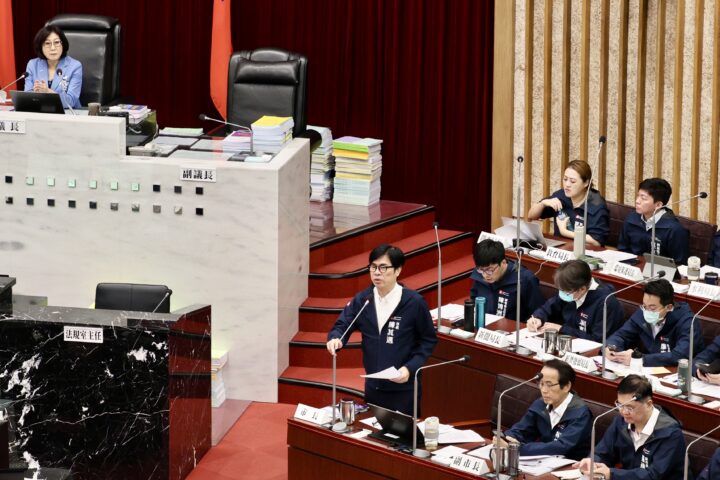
(559, 422)
(577, 309)
(495, 279)
(646, 441)
(660, 329)
(396, 327)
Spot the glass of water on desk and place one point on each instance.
(432, 432)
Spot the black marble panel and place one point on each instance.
(136, 406)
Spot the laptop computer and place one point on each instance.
(36, 102)
(396, 427)
(528, 231)
(665, 264)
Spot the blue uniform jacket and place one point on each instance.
(712, 471)
(68, 86)
(570, 437)
(671, 239)
(660, 458)
(501, 296)
(709, 355)
(407, 339)
(672, 342)
(714, 255)
(587, 321)
(598, 215)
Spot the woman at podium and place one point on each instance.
(53, 71)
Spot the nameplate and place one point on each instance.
(703, 290)
(558, 255)
(12, 126)
(622, 270)
(312, 414)
(83, 334)
(492, 338)
(460, 333)
(507, 243)
(580, 363)
(468, 464)
(198, 175)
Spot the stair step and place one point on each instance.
(313, 386)
(307, 349)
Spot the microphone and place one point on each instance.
(440, 327)
(604, 373)
(63, 90)
(498, 431)
(690, 397)
(579, 250)
(205, 118)
(167, 294)
(341, 426)
(687, 450)
(652, 237)
(517, 348)
(3, 95)
(592, 434)
(419, 452)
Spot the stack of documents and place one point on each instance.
(136, 113)
(358, 166)
(219, 359)
(237, 141)
(270, 134)
(322, 167)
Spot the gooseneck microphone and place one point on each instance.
(690, 397)
(334, 365)
(418, 452)
(205, 118)
(24, 75)
(440, 327)
(517, 348)
(652, 236)
(592, 433)
(687, 451)
(604, 373)
(167, 294)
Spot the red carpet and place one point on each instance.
(254, 448)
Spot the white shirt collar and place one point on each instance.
(556, 414)
(652, 221)
(639, 438)
(385, 306)
(593, 286)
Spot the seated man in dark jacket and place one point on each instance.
(645, 441)
(577, 309)
(671, 239)
(495, 279)
(660, 329)
(559, 422)
(709, 355)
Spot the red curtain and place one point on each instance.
(415, 73)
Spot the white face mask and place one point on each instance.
(652, 318)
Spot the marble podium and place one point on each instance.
(76, 211)
(108, 394)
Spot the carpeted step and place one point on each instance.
(313, 386)
(307, 349)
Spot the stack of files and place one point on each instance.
(136, 113)
(237, 141)
(217, 394)
(358, 167)
(322, 167)
(270, 134)
(321, 217)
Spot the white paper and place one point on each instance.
(459, 436)
(544, 465)
(361, 434)
(582, 345)
(490, 319)
(441, 427)
(568, 474)
(450, 451)
(608, 256)
(371, 422)
(451, 311)
(482, 452)
(622, 369)
(174, 141)
(387, 374)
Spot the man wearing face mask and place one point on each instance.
(577, 309)
(660, 329)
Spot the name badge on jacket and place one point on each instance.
(583, 322)
(645, 459)
(503, 299)
(664, 345)
(393, 325)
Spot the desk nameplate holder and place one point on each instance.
(703, 290)
(468, 464)
(557, 255)
(622, 270)
(312, 415)
(579, 362)
(492, 338)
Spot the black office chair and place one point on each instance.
(96, 42)
(133, 296)
(267, 81)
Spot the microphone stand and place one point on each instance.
(687, 450)
(2, 90)
(517, 348)
(204, 117)
(440, 328)
(334, 365)
(592, 434)
(605, 373)
(498, 431)
(416, 451)
(585, 203)
(652, 236)
(690, 397)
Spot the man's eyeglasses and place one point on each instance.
(489, 271)
(382, 268)
(56, 44)
(627, 408)
(547, 385)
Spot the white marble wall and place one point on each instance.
(247, 255)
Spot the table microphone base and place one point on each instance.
(695, 399)
(420, 453)
(608, 375)
(443, 329)
(520, 350)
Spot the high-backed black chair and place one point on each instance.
(96, 42)
(267, 81)
(133, 296)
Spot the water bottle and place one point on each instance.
(469, 324)
(636, 361)
(479, 313)
(683, 372)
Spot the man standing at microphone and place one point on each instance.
(396, 327)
